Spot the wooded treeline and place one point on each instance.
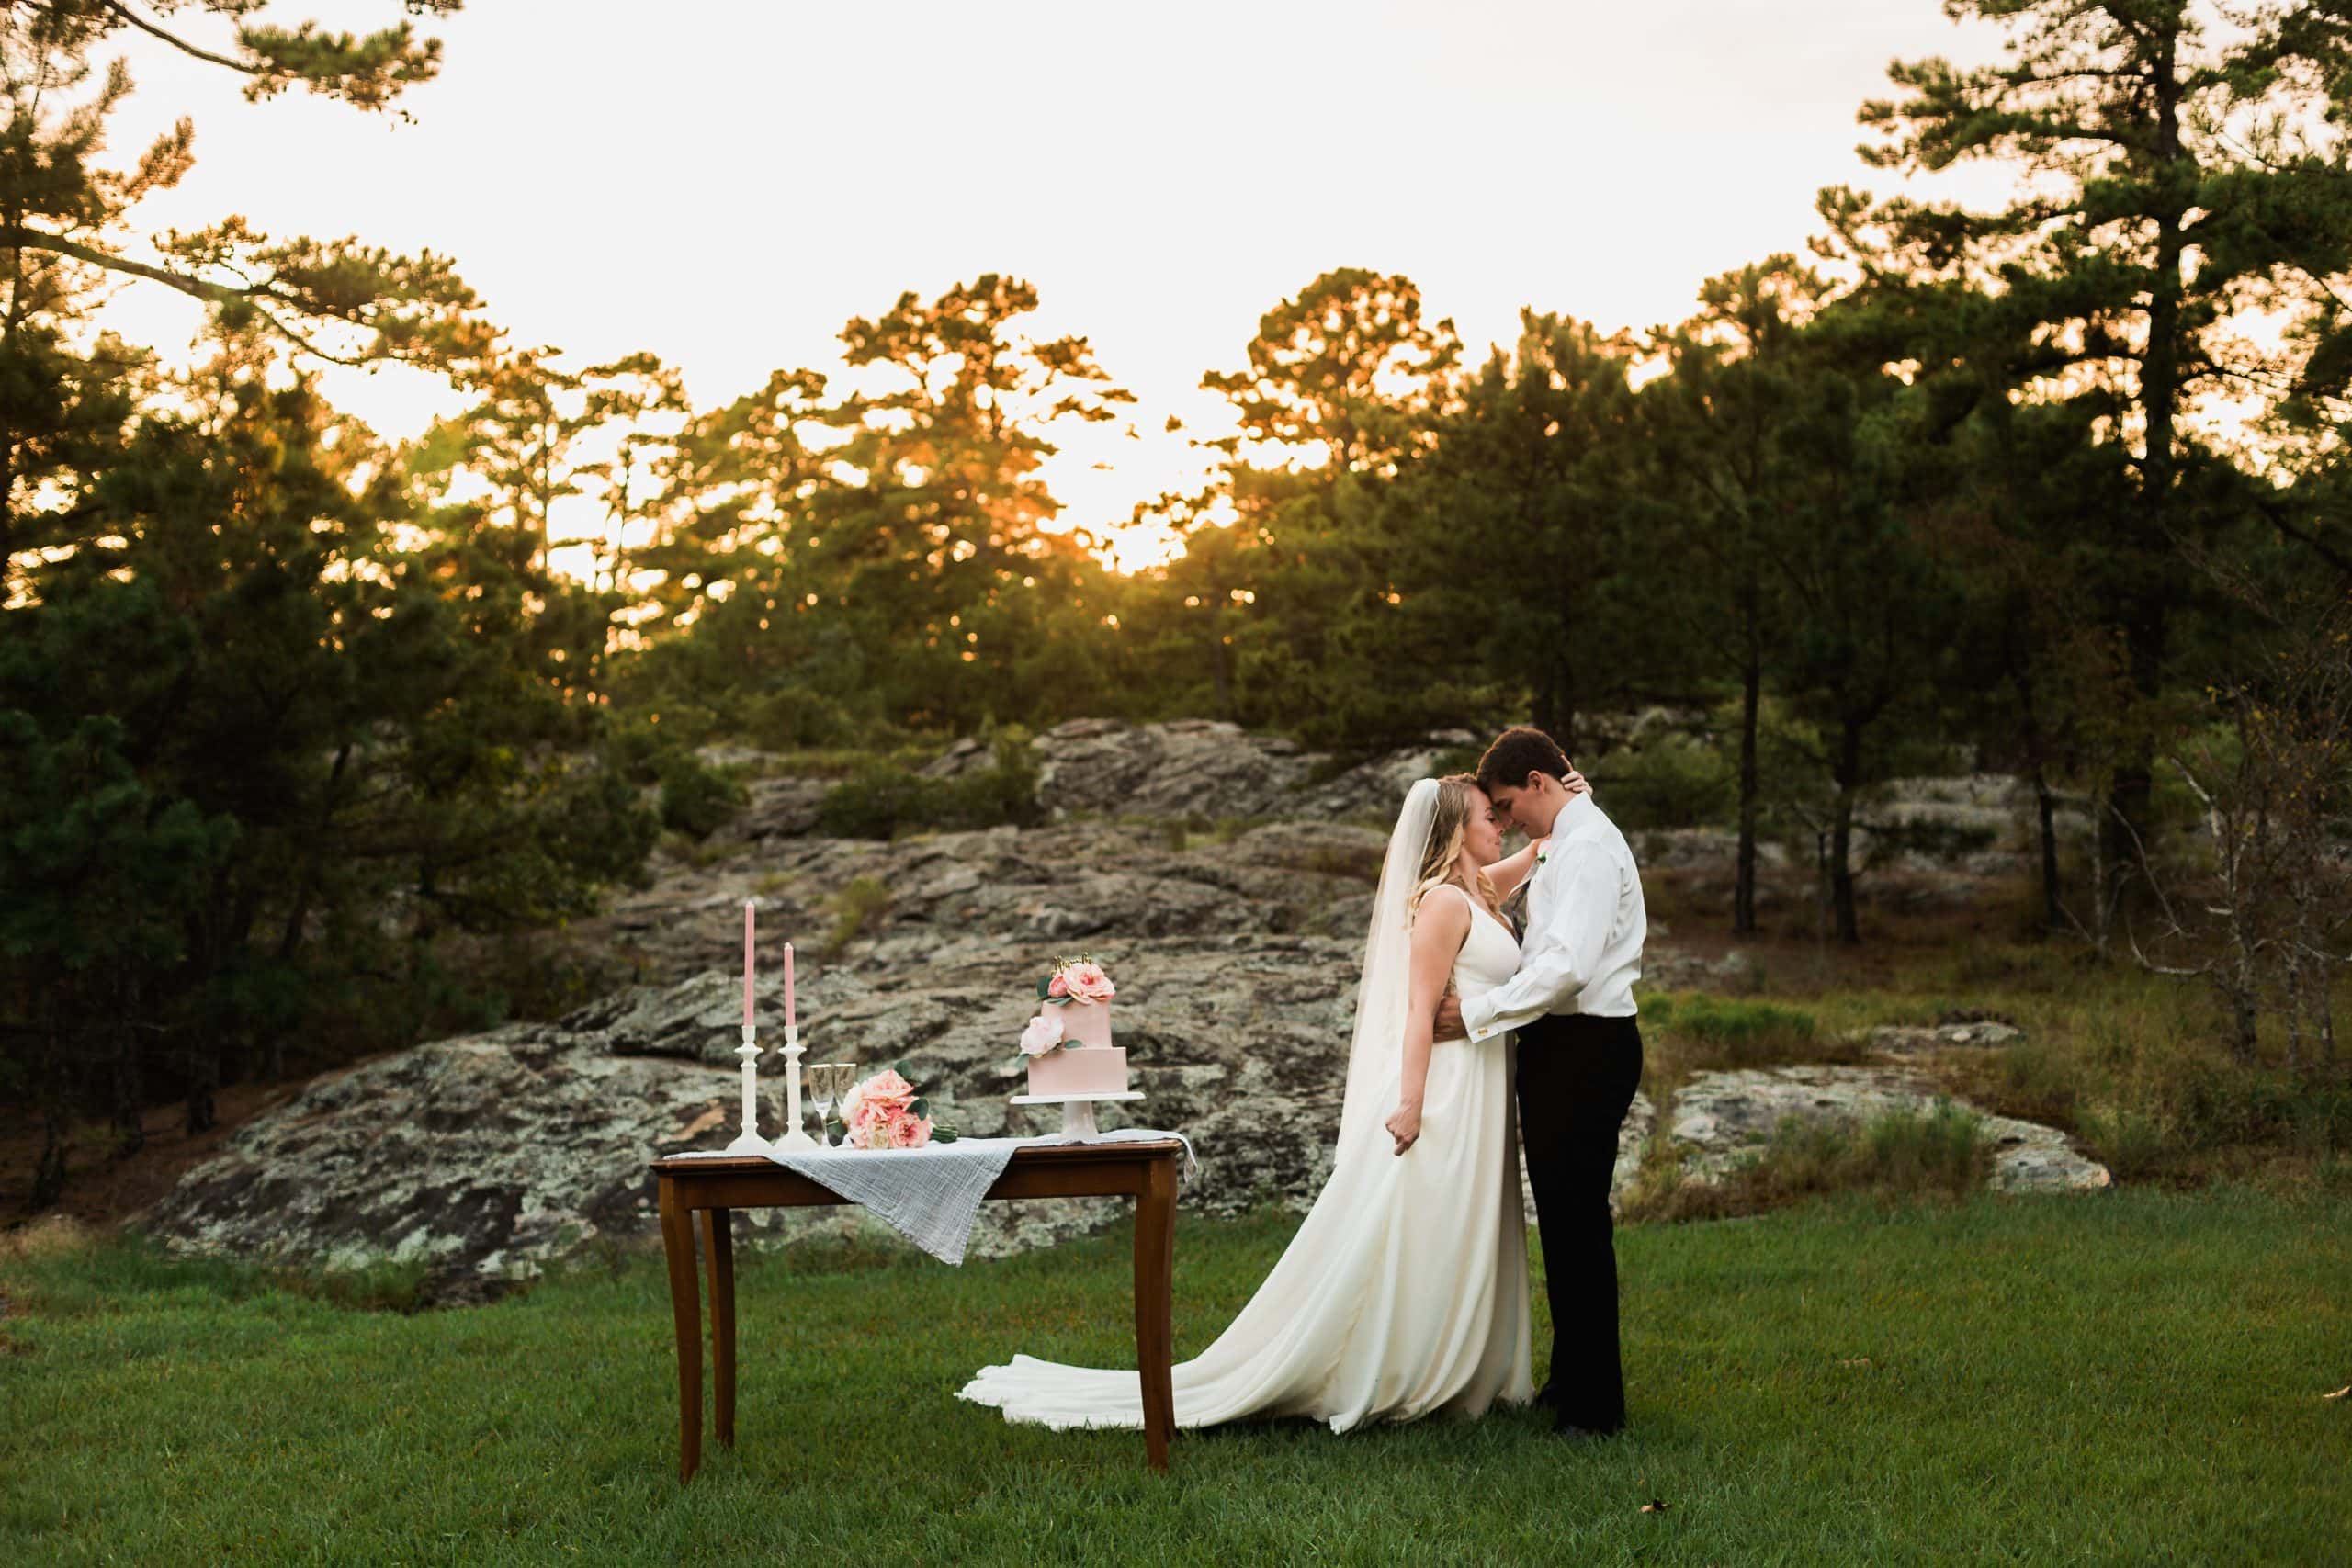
(288, 706)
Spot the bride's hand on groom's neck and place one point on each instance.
(1574, 783)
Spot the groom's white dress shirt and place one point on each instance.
(1585, 924)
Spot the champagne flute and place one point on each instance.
(846, 1080)
(824, 1084)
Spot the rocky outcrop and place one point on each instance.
(1235, 940)
(502, 1152)
(1731, 974)
(491, 1154)
(1721, 1118)
(1206, 769)
(1970, 1034)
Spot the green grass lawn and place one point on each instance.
(2136, 1377)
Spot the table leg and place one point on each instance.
(1155, 1290)
(686, 1312)
(719, 1242)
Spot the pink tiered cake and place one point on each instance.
(1088, 1063)
(1077, 999)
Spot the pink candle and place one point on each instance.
(789, 1019)
(747, 963)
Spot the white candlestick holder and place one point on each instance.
(795, 1136)
(748, 1140)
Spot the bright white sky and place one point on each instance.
(725, 183)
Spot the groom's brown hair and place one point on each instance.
(1517, 752)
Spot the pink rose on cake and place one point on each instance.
(1045, 1033)
(1079, 980)
(1088, 983)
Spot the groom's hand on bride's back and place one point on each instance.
(1447, 1025)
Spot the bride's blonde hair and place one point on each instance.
(1449, 824)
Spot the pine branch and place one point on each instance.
(154, 30)
(2307, 537)
(367, 72)
(17, 237)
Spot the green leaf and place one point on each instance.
(919, 1106)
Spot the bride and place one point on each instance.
(1404, 1290)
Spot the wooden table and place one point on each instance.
(715, 1187)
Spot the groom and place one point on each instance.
(1580, 1055)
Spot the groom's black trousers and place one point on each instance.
(1576, 1076)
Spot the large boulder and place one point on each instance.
(490, 1155)
(1721, 1118)
(499, 1153)
(1195, 768)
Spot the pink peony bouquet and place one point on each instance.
(885, 1112)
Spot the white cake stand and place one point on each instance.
(1078, 1109)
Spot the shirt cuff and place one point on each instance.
(1478, 1019)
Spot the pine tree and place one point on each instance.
(2186, 162)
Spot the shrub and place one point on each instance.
(1729, 1032)
(2128, 1140)
(1939, 843)
(870, 804)
(696, 800)
(1940, 1149)
(781, 721)
(854, 907)
(1937, 1150)
(882, 801)
(2322, 1120)
(2034, 1076)
(1671, 781)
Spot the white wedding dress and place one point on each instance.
(1404, 1291)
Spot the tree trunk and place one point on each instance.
(2326, 1025)
(2126, 829)
(1743, 890)
(1552, 711)
(1221, 664)
(1561, 723)
(2291, 977)
(2245, 1024)
(129, 1087)
(11, 442)
(1822, 898)
(204, 1077)
(2130, 827)
(1841, 834)
(48, 1169)
(298, 914)
(210, 941)
(2045, 800)
(2054, 914)
(52, 1084)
